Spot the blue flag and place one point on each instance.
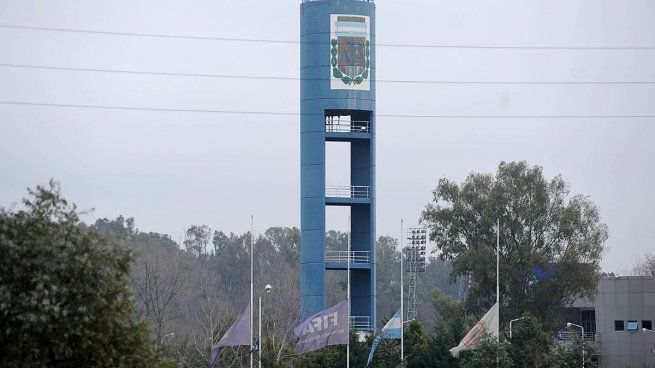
(327, 327)
(238, 334)
(390, 331)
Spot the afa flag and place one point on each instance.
(487, 326)
(391, 330)
(325, 328)
(238, 334)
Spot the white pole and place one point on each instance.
(402, 297)
(582, 342)
(348, 298)
(267, 289)
(259, 338)
(498, 262)
(498, 267)
(252, 251)
(569, 325)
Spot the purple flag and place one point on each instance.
(327, 327)
(238, 334)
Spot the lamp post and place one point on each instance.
(569, 324)
(402, 296)
(267, 289)
(511, 323)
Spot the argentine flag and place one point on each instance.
(390, 331)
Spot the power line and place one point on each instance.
(280, 41)
(263, 77)
(291, 113)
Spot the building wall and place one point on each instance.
(624, 299)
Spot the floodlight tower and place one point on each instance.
(417, 239)
(337, 104)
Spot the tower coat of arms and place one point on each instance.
(350, 52)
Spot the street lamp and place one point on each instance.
(569, 324)
(510, 325)
(267, 289)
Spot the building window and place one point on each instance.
(647, 325)
(633, 325)
(618, 326)
(588, 320)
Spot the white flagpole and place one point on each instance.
(498, 266)
(402, 297)
(252, 287)
(348, 298)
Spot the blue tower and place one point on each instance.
(337, 93)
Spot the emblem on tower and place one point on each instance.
(350, 52)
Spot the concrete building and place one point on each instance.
(337, 106)
(615, 320)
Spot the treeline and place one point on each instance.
(191, 292)
(110, 295)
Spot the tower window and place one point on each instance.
(619, 326)
(647, 325)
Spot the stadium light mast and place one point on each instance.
(415, 251)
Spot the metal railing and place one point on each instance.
(335, 126)
(341, 256)
(347, 191)
(570, 335)
(360, 322)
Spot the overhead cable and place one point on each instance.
(285, 78)
(291, 113)
(281, 41)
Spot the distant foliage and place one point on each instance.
(197, 239)
(64, 299)
(645, 266)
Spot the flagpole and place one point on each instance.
(252, 286)
(348, 298)
(402, 293)
(498, 266)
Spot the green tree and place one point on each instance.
(416, 344)
(196, 239)
(645, 266)
(387, 354)
(489, 353)
(286, 241)
(387, 276)
(531, 345)
(550, 241)
(64, 299)
(568, 354)
(450, 317)
(451, 323)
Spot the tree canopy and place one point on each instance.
(645, 266)
(551, 241)
(64, 298)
